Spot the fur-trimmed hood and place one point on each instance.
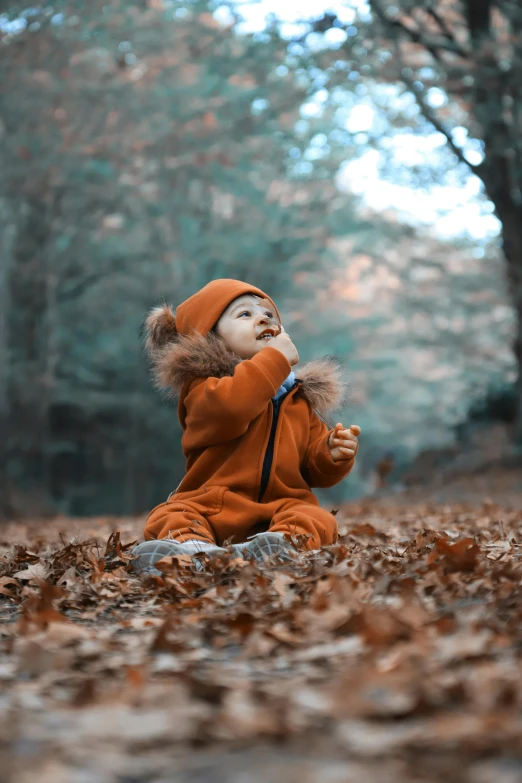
(177, 359)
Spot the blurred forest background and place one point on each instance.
(361, 162)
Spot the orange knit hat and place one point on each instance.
(201, 311)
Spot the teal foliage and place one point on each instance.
(136, 167)
(131, 173)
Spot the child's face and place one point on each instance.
(243, 322)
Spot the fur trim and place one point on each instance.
(189, 357)
(198, 356)
(159, 327)
(324, 384)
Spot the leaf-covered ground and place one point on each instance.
(394, 655)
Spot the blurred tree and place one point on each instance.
(144, 152)
(469, 52)
(147, 149)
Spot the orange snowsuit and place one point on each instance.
(250, 461)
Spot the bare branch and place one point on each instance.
(430, 116)
(446, 31)
(435, 46)
(419, 92)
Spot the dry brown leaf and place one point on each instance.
(371, 644)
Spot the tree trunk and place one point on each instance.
(26, 387)
(512, 246)
(517, 428)
(6, 242)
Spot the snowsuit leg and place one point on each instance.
(217, 515)
(186, 520)
(306, 519)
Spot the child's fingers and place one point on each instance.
(344, 442)
(347, 453)
(344, 445)
(346, 448)
(335, 434)
(345, 435)
(352, 432)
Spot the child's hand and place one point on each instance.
(343, 444)
(284, 345)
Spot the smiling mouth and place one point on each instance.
(265, 336)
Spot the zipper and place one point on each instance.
(269, 453)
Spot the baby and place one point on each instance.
(253, 435)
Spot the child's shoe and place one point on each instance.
(149, 552)
(263, 545)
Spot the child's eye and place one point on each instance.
(247, 312)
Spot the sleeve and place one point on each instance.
(319, 470)
(220, 409)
